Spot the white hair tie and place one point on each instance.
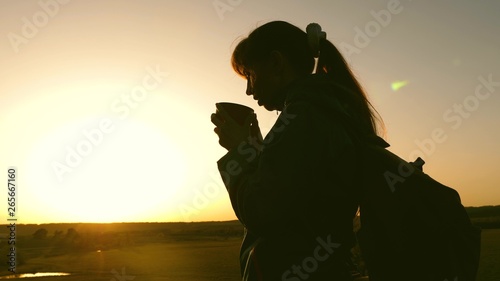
(314, 35)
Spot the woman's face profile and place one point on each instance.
(264, 84)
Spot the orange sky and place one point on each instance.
(105, 106)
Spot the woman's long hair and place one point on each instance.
(292, 42)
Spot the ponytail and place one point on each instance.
(332, 63)
(301, 48)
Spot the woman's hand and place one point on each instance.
(231, 134)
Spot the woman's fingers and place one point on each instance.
(216, 120)
(249, 120)
(254, 128)
(230, 132)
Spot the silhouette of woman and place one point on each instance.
(295, 191)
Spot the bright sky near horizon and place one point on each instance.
(105, 105)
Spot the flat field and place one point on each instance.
(184, 260)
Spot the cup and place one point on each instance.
(238, 112)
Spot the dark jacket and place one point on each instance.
(297, 197)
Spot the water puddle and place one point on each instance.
(31, 275)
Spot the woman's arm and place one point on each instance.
(270, 190)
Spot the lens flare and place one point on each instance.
(396, 85)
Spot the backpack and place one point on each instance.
(412, 226)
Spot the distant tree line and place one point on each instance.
(485, 216)
(72, 241)
(483, 211)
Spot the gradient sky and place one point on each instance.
(132, 84)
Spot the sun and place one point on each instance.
(125, 174)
